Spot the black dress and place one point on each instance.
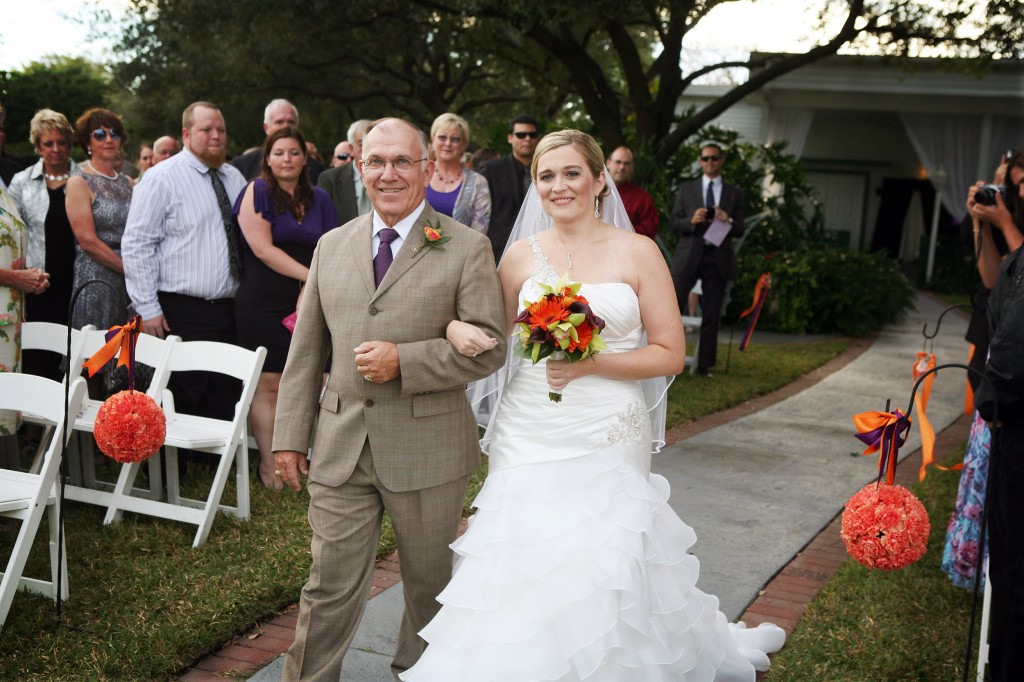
(264, 296)
(52, 305)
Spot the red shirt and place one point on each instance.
(640, 208)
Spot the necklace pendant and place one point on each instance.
(568, 257)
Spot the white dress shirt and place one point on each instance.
(175, 240)
(716, 184)
(403, 227)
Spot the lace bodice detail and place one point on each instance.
(614, 302)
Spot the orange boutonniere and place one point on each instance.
(433, 237)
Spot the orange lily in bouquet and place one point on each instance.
(560, 324)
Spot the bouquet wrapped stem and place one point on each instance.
(556, 396)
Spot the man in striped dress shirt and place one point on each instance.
(181, 254)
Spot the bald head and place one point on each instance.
(620, 165)
(164, 148)
(395, 168)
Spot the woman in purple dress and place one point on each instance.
(281, 216)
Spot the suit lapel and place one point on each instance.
(362, 244)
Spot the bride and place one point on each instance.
(574, 567)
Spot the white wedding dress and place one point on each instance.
(574, 566)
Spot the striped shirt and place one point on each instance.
(175, 239)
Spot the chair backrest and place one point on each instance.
(149, 350)
(53, 337)
(41, 397)
(212, 356)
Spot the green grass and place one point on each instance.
(760, 369)
(897, 626)
(145, 605)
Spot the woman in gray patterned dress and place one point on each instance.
(97, 205)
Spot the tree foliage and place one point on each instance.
(614, 67)
(65, 84)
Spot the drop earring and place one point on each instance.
(597, 207)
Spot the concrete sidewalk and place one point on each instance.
(757, 488)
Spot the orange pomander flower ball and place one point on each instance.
(885, 526)
(130, 427)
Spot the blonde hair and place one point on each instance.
(449, 120)
(49, 121)
(583, 143)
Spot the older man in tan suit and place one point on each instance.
(395, 429)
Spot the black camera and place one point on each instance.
(986, 194)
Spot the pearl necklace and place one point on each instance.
(58, 178)
(97, 171)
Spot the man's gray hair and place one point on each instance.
(357, 129)
(274, 104)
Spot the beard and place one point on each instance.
(213, 158)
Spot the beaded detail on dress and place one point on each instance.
(630, 426)
(542, 270)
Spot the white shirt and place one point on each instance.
(175, 240)
(403, 227)
(716, 185)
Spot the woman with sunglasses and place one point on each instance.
(455, 190)
(281, 217)
(39, 194)
(98, 203)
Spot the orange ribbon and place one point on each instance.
(925, 362)
(119, 338)
(883, 433)
(764, 283)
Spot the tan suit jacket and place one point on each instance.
(420, 427)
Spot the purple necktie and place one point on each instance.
(382, 261)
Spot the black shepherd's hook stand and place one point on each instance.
(64, 433)
(984, 510)
(938, 324)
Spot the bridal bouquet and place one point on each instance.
(560, 324)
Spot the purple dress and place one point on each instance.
(264, 296)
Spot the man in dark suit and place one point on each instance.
(278, 114)
(699, 204)
(343, 183)
(508, 179)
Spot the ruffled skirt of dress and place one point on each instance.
(577, 569)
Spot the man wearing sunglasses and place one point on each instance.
(343, 154)
(508, 178)
(343, 183)
(705, 209)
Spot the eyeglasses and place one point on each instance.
(50, 144)
(713, 157)
(454, 139)
(343, 157)
(100, 135)
(532, 134)
(401, 164)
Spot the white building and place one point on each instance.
(871, 131)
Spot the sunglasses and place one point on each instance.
(714, 157)
(100, 135)
(531, 134)
(343, 157)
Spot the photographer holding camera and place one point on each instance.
(1000, 401)
(998, 214)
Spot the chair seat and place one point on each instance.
(85, 420)
(17, 490)
(195, 433)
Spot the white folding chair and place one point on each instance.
(25, 495)
(53, 338)
(693, 322)
(986, 612)
(151, 351)
(226, 438)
